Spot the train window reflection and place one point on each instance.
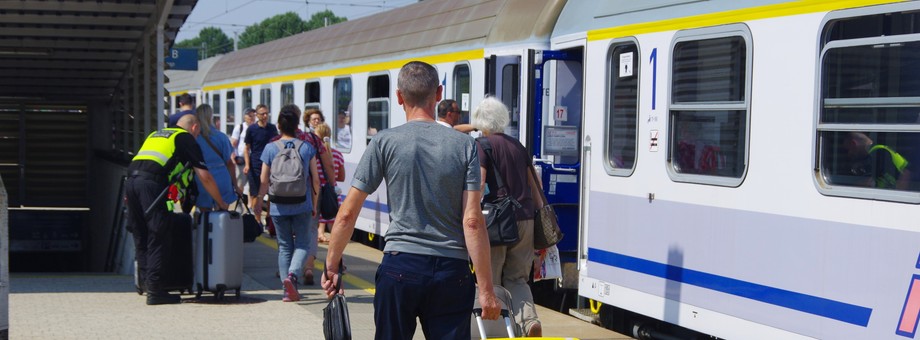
(247, 99)
(343, 111)
(622, 108)
(311, 95)
(378, 105)
(462, 91)
(287, 94)
(709, 108)
(869, 120)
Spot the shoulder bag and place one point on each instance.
(546, 231)
(328, 199)
(499, 213)
(336, 324)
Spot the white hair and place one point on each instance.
(491, 116)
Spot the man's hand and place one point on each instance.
(246, 169)
(330, 283)
(491, 308)
(223, 205)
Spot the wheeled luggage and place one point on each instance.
(504, 327)
(219, 253)
(177, 273)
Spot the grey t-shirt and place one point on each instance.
(427, 167)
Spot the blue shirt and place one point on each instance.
(306, 153)
(217, 165)
(257, 137)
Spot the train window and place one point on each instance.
(709, 108)
(230, 120)
(868, 131)
(378, 105)
(462, 91)
(342, 124)
(622, 108)
(511, 96)
(287, 94)
(311, 95)
(247, 99)
(215, 105)
(265, 97)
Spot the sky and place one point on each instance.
(232, 16)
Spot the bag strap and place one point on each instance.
(487, 147)
(208, 140)
(536, 185)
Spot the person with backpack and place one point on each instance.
(286, 165)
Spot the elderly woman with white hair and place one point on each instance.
(511, 263)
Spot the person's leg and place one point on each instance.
(400, 282)
(311, 250)
(139, 223)
(286, 253)
(254, 186)
(448, 304)
(498, 255)
(302, 236)
(518, 262)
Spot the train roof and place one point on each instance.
(580, 16)
(426, 28)
(186, 80)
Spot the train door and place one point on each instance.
(557, 97)
(503, 80)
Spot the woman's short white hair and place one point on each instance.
(491, 116)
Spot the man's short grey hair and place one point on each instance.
(491, 116)
(418, 82)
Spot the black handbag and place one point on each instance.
(336, 325)
(328, 199)
(500, 215)
(251, 226)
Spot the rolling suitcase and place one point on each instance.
(177, 275)
(504, 327)
(219, 253)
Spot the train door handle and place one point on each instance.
(553, 166)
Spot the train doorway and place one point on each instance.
(557, 95)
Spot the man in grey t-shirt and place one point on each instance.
(436, 224)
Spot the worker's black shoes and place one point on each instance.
(162, 298)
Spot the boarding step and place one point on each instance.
(585, 314)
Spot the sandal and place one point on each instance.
(322, 239)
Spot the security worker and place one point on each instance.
(163, 156)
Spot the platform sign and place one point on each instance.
(185, 59)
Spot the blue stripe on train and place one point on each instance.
(852, 314)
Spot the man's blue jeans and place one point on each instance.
(437, 290)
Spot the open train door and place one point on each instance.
(556, 95)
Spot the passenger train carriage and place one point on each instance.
(743, 169)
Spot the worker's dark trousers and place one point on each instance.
(153, 235)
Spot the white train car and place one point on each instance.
(349, 71)
(713, 149)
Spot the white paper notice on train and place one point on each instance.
(560, 140)
(626, 65)
(653, 141)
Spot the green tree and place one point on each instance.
(284, 25)
(210, 41)
(318, 20)
(276, 27)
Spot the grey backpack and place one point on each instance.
(288, 179)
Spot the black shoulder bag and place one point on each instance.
(499, 213)
(328, 200)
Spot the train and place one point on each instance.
(727, 169)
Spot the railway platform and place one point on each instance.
(106, 306)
